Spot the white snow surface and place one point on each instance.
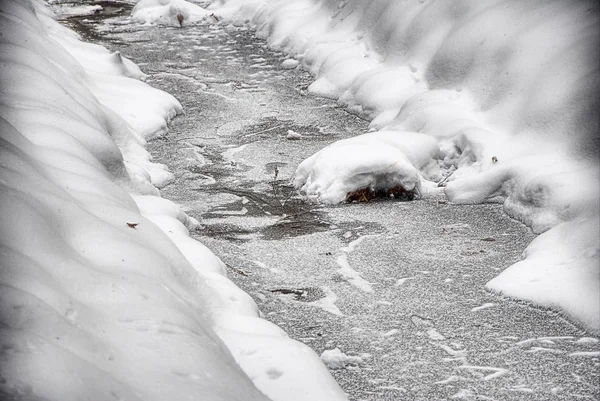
(167, 12)
(104, 293)
(509, 90)
(68, 10)
(289, 64)
(376, 160)
(336, 359)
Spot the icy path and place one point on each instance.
(396, 287)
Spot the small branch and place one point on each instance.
(265, 130)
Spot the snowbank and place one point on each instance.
(560, 261)
(168, 12)
(104, 294)
(508, 89)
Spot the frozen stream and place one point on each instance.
(398, 287)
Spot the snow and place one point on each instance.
(289, 64)
(506, 92)
(435, 335)
(482, 307)
(293, 135)
(104, 292)
(589, 354)
(390, 333)
(346, 272)
(377, 160)
(352, 276)
(327, 303)
(400, 282)
(558, 262)
(336, 359)
(168, 12)
(68, 10)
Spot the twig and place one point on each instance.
(265, 130)
(278, 193)
(238, 271)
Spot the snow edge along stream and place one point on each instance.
(104, 291)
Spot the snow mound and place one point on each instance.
(555, 263)
(168, 12)
(72, 10)
(293, 135)
(378, 161)
(336, 359)
(289, 64)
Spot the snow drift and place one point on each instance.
(510, 90)
(104, 294)
(376, 161)
(168, 12)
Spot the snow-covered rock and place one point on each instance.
(377, 161)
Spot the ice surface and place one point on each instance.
(104, 293)
(508, 90)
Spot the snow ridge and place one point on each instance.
(104, 294)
